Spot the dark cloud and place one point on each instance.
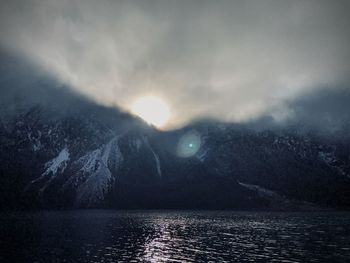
(323, 112)
(327, 109)
(232, 60)
(24, 88)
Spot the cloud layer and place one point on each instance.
(232, 60)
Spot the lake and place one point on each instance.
(174, 236)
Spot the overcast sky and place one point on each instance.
(231, 60)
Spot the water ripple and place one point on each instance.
(114, 236)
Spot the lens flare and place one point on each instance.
(189, 144)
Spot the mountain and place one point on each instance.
(79, 161)
(61, 150)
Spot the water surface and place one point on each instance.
(174, 236)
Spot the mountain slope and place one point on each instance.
(67, 163)
(59, 149)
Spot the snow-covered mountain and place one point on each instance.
(78, 161)
(58, 149)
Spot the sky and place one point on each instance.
(229, 60)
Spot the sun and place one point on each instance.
(152, 109)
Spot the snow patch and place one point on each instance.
(202, 156)
(94, 173)
(330, 159)
(260, 190)
(138, 143)
(327, 157)
(52, 167)
(58, 163)
(35, 141)
(156, 157)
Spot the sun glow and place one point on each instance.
(152, 109)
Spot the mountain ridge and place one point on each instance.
(59, 149)
(72, 166)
